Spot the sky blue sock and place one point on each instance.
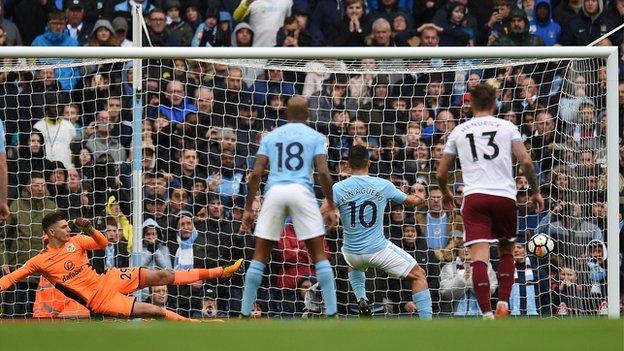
(253, 279)
(325, 277)
(422, 299)
(358, 284)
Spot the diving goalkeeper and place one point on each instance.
(64, 263)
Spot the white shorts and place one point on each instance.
(293, 200)
(392, 260)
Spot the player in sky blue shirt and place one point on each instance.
(291, 149)
(361, 201)
(4, 176)
(290, 152)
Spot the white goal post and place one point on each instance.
(517, 54)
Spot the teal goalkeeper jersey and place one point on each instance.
(291, 149)
(362, 201)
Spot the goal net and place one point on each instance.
(69, 147)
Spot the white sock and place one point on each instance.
(488, 315)
(503, 304)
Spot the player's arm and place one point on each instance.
(94, 240)
(413, 200)
(253, 185)
(442, 175)
(4, 185)
(329, 206)
(24, 271)
(526, 164)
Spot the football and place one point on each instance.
(541, 245)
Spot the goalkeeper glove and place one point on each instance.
(84, 225)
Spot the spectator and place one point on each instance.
(78, 29)
(155, 253)
(56, 181)
(543, 25)
(103, 141)
(11, 33)
(292, 34)
(566, 10)
(57, 35)
(115, 254)
(381, 34)
(352, 29)
(229, 178)
(456, 284)
(209, 308)
(158, 296)
(328, 12)
(332, 97)
(265, 17)
(495, 26)
(301, 11)
(124, 9)
(176, 105)
(181, 30)
(103, 34)
(120, 25)
(588, 25)
(517, 31)
(211, 32)
(375, 109)
(57, 132)
(28, 158)
(424, 10)
(158, 34)
(437, 224)
(565, 224)
(192, 10)
(22, 236)
(530, 293)
(242, 36)
(615, 12)
(454, 31)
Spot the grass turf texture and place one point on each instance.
(318, 335)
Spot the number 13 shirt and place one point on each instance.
(483, 145)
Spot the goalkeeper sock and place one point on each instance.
(184, 277)
(422, 299)
(358, 284)
(505, 276)
(253, 279)
(481, 285)
(325, 277)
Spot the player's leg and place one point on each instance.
(480, 256)
(324, 273)
(421, 296)
(254, 274)
(505, 275)
(150, 277)
(505, 226)
(146, 310)
(357, 280)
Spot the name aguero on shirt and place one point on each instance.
(362, 191)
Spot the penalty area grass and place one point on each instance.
(319, 335)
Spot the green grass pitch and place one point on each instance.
(318, 335)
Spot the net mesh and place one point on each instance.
(69, 141)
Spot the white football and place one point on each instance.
(541, 245)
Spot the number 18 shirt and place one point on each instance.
(483, 145)
(291, 149)
(362, 201)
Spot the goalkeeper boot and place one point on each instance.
(502, 310)
(229, 271)
(365, 309)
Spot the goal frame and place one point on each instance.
(530, 53)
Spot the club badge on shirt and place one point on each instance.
(71, 247)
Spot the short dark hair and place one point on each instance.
(483, 97)
(51, 219)
(358, 157)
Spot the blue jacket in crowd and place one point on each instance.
(549, 30)
(68, 77)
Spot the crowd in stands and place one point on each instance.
(69, 142)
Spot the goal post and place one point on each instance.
(396, 61)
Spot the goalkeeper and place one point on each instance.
(64, 263)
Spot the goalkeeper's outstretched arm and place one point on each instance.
(12, 278)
